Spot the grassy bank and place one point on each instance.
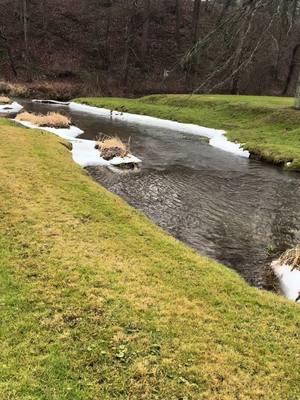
(98, 303)
(267, 126)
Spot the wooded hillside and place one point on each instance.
(137, 47)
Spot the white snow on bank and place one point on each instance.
(289, 280)
(65, 133)
(52, 102)
(12, 108)
(217, 138)
(83, 151)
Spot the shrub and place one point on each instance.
(52, 120)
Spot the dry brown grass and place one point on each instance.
(291, 257)
(53, 120)
(5, 100)
(111, 147)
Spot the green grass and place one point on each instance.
(267, 126)
(98, 303)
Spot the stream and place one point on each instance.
(240, 212)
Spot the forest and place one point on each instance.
(135, 47)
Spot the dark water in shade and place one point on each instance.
(238, 211)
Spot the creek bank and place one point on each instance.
(217, 138)
(83, 151)
(267, 127)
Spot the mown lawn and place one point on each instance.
(98, 303)
(268, 127)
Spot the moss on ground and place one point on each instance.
(98, 303)
(266, 126)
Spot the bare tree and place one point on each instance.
(239, 52)
(4, 43)
(177, 22)
(297, 95)
(25, 29)
(292, 68)
(234, 45)
(146, 24)
(195, 21)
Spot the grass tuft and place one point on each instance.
(291, 258)
(52, 119)
(111, 147)
(5, 100)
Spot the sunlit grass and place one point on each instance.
(98, 303)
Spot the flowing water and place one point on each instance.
(240, 212)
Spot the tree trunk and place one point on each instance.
(107, 36)
(9, 53)
(128, 41)
(237, 65)
(297, 95)
(25, 28)
(282, 35)
(291, 69)
(294, 11)
(146, 24)
(227, 4)
(195, 21)
(177, 30)
(44, 15)
(238, 59)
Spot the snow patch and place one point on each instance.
(64, 133)
(85, 154)
(83, 151)
(217, 138)
(52, 102)
(12, 108)
(289, 280)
